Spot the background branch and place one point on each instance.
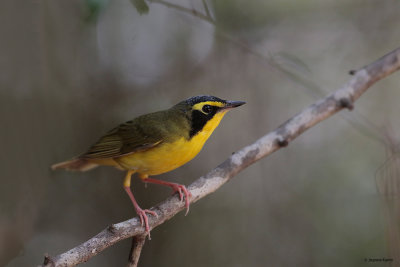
(183, 9)
(320, 110)
(136, 249)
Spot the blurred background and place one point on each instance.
(72, 70)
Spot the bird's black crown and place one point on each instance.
(203, 98)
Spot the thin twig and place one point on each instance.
(206, 8)
(136, 249)
(282, 136)
(190, 11)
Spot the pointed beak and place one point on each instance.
(233, 104)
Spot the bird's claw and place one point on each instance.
(144, 220)
(182, 191)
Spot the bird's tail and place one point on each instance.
(78, 164)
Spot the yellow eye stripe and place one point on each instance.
(199, 106)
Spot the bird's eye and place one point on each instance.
(207, 108)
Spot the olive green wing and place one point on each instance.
(129, 137)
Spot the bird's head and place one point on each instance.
(205, 112)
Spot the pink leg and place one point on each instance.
(142, 213)
(181, 189)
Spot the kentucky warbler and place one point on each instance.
(156, 143)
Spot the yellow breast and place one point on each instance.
(166, 157)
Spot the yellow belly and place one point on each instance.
(162, 158)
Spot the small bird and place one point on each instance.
(156, 143)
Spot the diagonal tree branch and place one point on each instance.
(320, 110)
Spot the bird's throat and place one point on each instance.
(208, 128)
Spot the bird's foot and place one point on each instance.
(144, 220)
(182, 191)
